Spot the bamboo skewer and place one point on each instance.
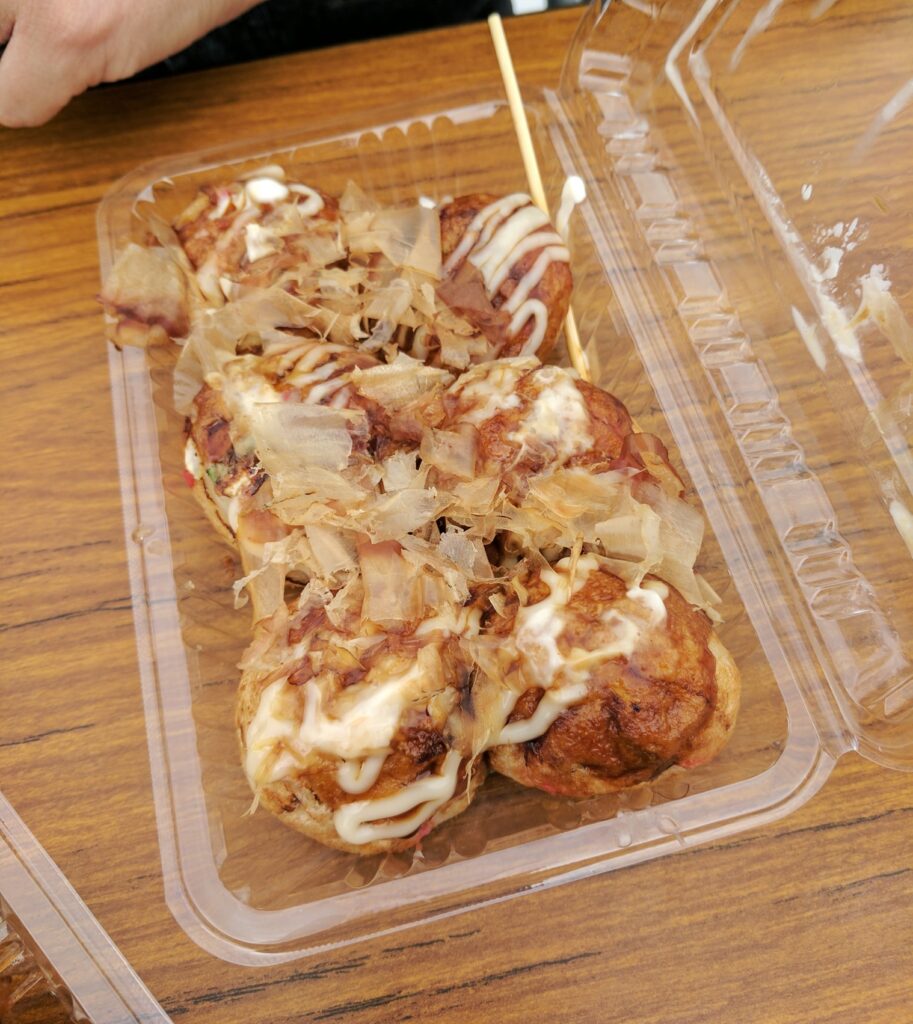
(531, 166)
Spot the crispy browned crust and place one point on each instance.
(523, 764)
(715, 734)
(296, 806)
(674, 702)
(554, 290)
(209, 425)
(610, 425)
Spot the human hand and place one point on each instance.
(58, 48)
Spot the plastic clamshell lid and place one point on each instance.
(81, 963)
(695, 309)
(767, 185)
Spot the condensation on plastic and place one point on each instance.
(54, 955)
(705, 295)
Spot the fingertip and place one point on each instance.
(13, 122)
(27, 116)
(29, 96)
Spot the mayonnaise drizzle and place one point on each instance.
(574, 192)
(231, 509)
(313, 374)
(552, 705)
(192, 461)
(652, 594)
(536, 309)
(313, 201)
(266, 190)
(222, 205)
(497, 238)
(557, 417)
(626, 630)
(536, 240)
(366, 722)
(534, 275)
(482, 226)
(362, 821)
(538, 628)
(463, 622)
(260, 240)
(492, 390)
(208, 271)
(317, 383)
(315, 355)
(243, 391)
(268, 737)
(358, 775)
(625, 634)
(321, 392)
(539, 625)
(504, 241)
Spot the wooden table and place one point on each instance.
(808, 919)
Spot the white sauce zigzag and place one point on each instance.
(497, 238)
(358, 775)
(362, 821)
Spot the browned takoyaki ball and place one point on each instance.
(506, 271)
(352, 741)
(223, 463)
(627, 681)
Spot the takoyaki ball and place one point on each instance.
(506, 270)
(606, 686)
(253, 408)
(250, 232)
(353, 739)
(528, 419)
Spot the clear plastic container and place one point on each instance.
(55, 959)
(735, 210)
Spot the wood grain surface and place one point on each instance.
(807, 920)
